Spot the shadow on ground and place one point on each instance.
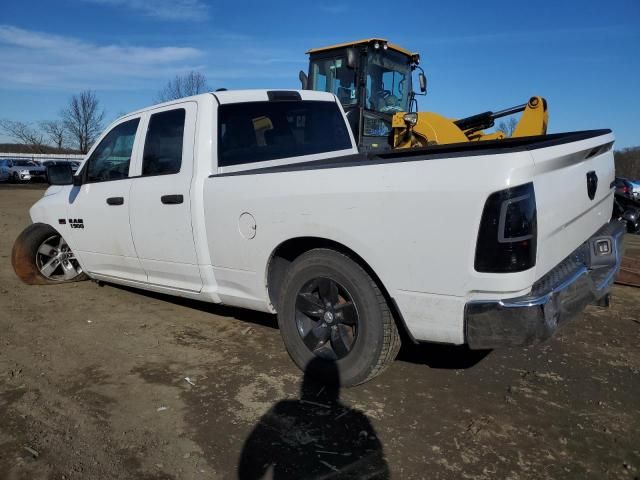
(448, 357)
(242, 314)
(315, 436)
(440, 356)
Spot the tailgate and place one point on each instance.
(569, 210)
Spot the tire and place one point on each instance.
(359, 353)
(14, 178)
(30, 264)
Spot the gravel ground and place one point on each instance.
(106, 382)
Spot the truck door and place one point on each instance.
(160, 206)
(98, 213)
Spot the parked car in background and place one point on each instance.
(50, 163)
(627, 188)
(4, 171)
(19, 170)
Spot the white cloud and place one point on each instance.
(30, 58)
(162, 9)
(333, 9)
(42, 62)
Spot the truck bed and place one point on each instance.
(429, 201)
(435, 152)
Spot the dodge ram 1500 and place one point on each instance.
(260, 199)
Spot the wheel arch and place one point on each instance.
(287, 251)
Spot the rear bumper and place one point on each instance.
(558, 296)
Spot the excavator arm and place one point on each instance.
(421, 129)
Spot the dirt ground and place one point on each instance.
(112, 383)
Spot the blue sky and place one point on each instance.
(582, 56)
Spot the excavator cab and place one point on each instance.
(372, 78)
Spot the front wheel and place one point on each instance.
(41, 256)
(331, 310)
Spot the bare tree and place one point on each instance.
(24, 133)
(508, 127)
(181, 86)
(83, 119)
(628, 162)
(55, 131)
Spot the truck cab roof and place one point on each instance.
(249, 95)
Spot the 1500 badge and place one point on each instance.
(76, 223)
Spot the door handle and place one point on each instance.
(171, 199)
(115, 201)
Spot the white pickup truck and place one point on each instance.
(260, 199)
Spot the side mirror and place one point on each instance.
(304, 80)
(59, 175)
(352, 58)
(422, 80)
(77, 179)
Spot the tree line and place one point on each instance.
(628, 163)
(81, 121)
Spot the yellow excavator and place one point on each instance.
(373, 79)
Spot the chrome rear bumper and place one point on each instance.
(562, 293)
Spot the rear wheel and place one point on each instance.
(41, 256)
(330, 309)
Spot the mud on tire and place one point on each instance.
(25, 257)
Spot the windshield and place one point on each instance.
(332, 75)
(23, 163)
(388, 81)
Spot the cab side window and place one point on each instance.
(163, 145)
(110, 160)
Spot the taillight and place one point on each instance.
(507, 238)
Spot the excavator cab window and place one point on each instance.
(388, 82)
(332, 75)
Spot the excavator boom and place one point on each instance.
(427, 128)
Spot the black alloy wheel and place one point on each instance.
(332, 313)
(326, 318)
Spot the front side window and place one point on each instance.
(261, 131)
(332, 75)
(110, 160)
(163, 145)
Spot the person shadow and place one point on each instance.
(313, 437)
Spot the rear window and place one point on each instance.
(163, 146)
(261, 131)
